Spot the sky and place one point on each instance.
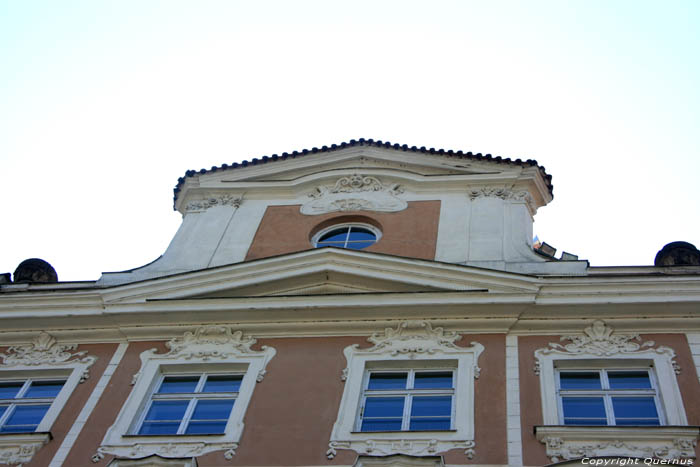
(103, 105)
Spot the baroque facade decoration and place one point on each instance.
(504, 194)
(208, 348)
(407, 337)
(412, 343)
(211, 200)
(355, 192)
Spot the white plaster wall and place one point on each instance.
(486, 230)
(239, 235)
(453, 229)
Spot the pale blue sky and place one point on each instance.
(103, 105)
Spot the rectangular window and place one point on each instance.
(409, 400)
(608, 397)
(190, 404)
(23, 403)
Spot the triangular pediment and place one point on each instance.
(326, 271)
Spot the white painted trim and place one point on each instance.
(411, 344)
(208, 348)
(601, 348)
(89, 406)
(694, 343)
(513, 424)
(572, 442)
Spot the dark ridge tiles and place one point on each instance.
(366, 142)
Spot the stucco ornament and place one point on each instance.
(411, 344)
(17, 449)
(211, 200)
(563, 443)
(355, 192)
(599, 345)
(599, 340)
(505, 194)
(213, 348)
(45, 351)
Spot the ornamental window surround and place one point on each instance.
(36, 381)
(204, 374)
(633, 405)
(406, 352)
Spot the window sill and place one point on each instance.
(19, 448)
(572, 442)
(371, 433)
(181, 436)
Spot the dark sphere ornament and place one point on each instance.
(35, 270)
(678, 254)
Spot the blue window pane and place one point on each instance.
(167, 410)
(442, 380)
(177, 384)
(358, 245)
(159, 428)
(583, 407)
(2, 409)
(44, 389)
(431, 406)
(9, 390)
(585, 421)
(223, 383)
(27, 415)
(579, 380)
(384, 407)
(381, 425)
(629, 380)
(382, 381)
(634, 407)
(212, 409)
(195, 428)
(358, 233)
(422, 424)
(338, 235)
(638, 421)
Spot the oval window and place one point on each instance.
(352, 236)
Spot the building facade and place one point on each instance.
(355, 305)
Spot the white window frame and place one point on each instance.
(210, 349)
(377, 233)
(20, 401)
(607, 393)
(197, 395)
(601, 348)
(408, 394)
(44, 358)
(413, 345)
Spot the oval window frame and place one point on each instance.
(377, 233)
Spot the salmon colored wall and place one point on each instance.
(75, 403)
(107, 408)
(531, 404)
(292, 411)
(411, 232)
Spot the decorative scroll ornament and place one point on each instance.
(505, 194)
(217, 347)
(212, 200)
(20, 448)
(598, 340)
(355, 193)
(207, 343)
(45, 351)
(563, 443)
(384, 447)
(410, 343)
